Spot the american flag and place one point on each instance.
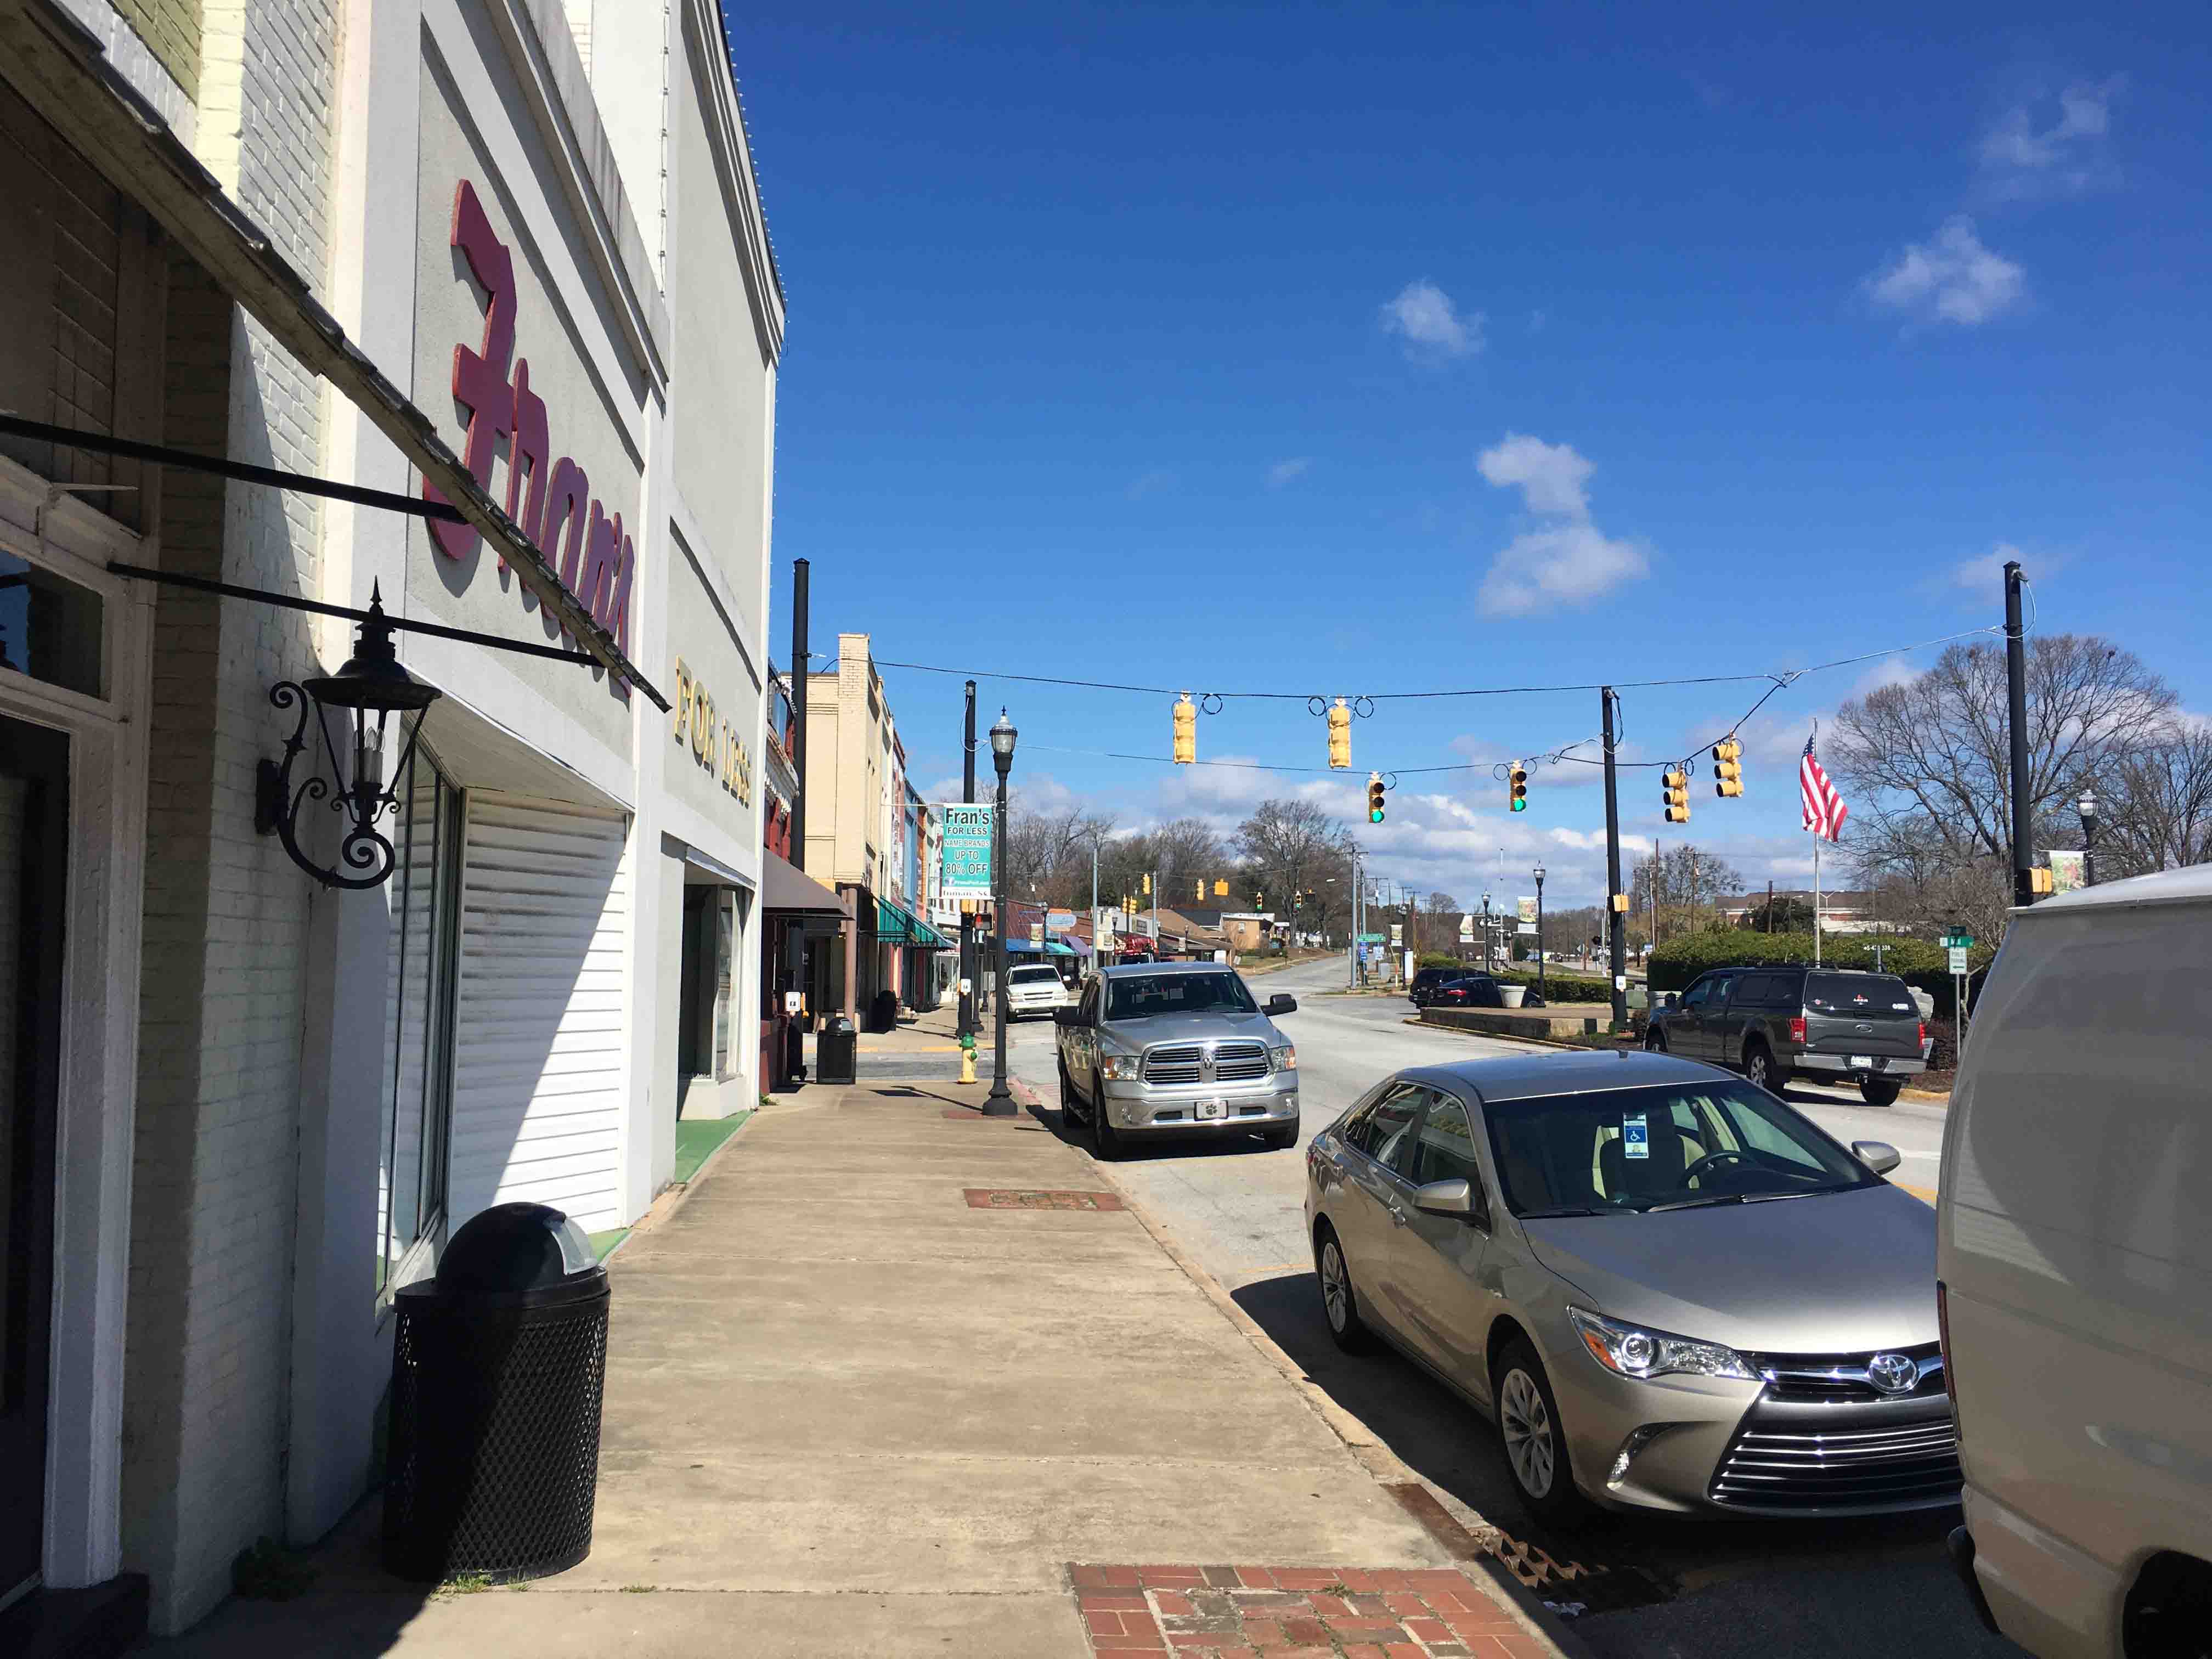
(1825, 810)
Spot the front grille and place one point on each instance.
(1176, 1063)
(1842, 1376)
(1184, 1062)
(1852, 1468)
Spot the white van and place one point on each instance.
(2075, 1255)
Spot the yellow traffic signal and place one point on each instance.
(1375, 797)
(1186, 731)
(1148, 886)
(1676, 794)
(1221, 889)
(1727, 768)
(1518, 777)
(1199, 893)
(1340, 735)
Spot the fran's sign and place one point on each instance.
(555, 505)
(966, 854)
(714, 742)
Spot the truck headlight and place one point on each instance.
(1632, 1350)
(1115, 1067)
(1285, 1059)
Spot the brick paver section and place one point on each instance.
(1297, 1613)
(1004, 1198)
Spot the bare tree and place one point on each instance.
(1690, 882)
(1043, 849)
(1289, 847)
(2159, 814)
(1925, 766)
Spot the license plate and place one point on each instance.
(1862, 1062)
(1207, 1108)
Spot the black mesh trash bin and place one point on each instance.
(498, 1367)
(837, 1053)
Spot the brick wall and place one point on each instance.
(215, 1185)
(171, 30)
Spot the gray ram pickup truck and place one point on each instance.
(1155, 1050)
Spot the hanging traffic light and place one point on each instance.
(1727, 768)
(1221, 889)
(1200, 884)
(1186, 732)
(1148, 886)
(1375, 797)
(1518, 778)
(1340, 735)
(1676, 794)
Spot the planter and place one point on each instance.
(1512, 994)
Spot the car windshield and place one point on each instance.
(1674, 1146)
(1032, 975)
(1142, 995)
(1860, 996)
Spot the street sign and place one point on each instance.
(1371, 938)
(1059, 921)
(965, 862)
(1527, 929)
(1957, 958)
(1527, 907)
(1959, 941)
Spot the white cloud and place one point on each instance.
(1983, 574)
(1568, 563)
(1425, 315)
(1550, 476)
(2021, 158)
(1951, 279)
(1565, 564)
(1148, 483)
(1288, 471)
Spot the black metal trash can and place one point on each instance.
(837, 1053)
(498, 1373)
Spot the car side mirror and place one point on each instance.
(1455, 1197)
(1065, 1016)
(1878, 1154)
(1280, 1004)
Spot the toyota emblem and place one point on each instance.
(1894, 1373)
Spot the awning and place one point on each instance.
(896, 925)
(61, 68)
(785, 887)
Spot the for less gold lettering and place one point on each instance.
(683, 701)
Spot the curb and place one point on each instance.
(1398, 1478)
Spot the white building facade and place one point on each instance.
(484, 251)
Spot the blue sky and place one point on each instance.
(1352, 350)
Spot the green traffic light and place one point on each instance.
(1519, 805)
(1374, 815)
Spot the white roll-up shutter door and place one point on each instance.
(541, 1022)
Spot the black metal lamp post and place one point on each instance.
(1000, 1103)
(366, 692)
(1539, 933)
(2087, 806)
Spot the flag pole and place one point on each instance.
(1816, 898)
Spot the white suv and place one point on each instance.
(1036, 989)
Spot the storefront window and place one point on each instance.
(425, 893)
(49, 628)
(726, 955)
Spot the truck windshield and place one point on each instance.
(1860, 996)
(1143, 995)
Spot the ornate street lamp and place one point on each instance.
(1000, 1102)
(366, 693)
(1539, 933)
(2087, 806)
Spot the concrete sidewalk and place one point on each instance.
(897, 1379)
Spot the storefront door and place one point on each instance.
(34, 842)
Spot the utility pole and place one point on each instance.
(2023, 883)
(1617, 956)
(967, 1015)
(1769, 904)
(799, 675)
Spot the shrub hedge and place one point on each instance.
(1914, 961)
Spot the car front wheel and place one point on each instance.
(1339, 1303)
(1534, 1439)
(1655, 1041)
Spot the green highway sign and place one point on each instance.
(1959, 941)
(1371, 938)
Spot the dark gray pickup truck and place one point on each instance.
(1830, 1025)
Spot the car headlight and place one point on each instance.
(1632, 1350)
(1115, 1067)
(1285, 1059)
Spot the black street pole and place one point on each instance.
(1617, 955)
(798, 574)
(1539, 933)
(967, 1016)
(1000, 1103)
(2023, 882)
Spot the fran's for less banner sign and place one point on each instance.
(967, 860)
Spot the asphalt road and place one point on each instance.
(1710, 1588)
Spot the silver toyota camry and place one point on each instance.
(1668, 1290)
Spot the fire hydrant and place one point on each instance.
(967, 1056)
